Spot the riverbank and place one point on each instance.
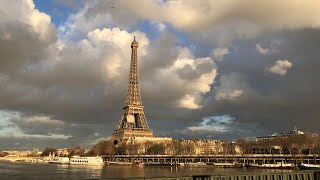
(12, 171)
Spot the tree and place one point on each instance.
(102, 148)
(156, 148)
(77, 150)
(2, 154)
(245, 146)
(49, 150)
(228, 147)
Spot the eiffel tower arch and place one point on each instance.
(133, 122)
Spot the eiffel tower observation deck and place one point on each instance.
(133, 122)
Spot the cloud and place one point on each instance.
(280, 67)
(37, 125)
(38, 120)
(79, 24)
(230, 95)
(266, 51)
(188, 102)
(159, 26)
(195, 16)
(19, 29)
(221, 21)
(219, 53)
(233, 87)
(215, 124)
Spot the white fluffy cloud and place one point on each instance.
(79, 24)
(280, 67)
(229, 95)
(26, 35)
(25, 12)
(192, 75)
(219, 53)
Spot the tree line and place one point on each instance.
(294, 144)
(174, 147)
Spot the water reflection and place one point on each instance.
(54, 171)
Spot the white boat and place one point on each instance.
(278, 165)
(226, 164)
(309, 166)
(86, 160)
(196, 164)
(59, 160)
(119, 163)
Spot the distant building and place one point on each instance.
(139, 139)
(20, 153)
(207, 146)
(293, 132)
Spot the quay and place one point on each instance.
(25, 159)
(299, 175)
(241, 158)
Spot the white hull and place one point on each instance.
(119, 163)
(273, 166)
(197, 164)
(309, 166)
(80, 163)
(76, 160)
(59, 160)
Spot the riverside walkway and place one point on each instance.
(241, 158)
(299, 175)
(24, 159)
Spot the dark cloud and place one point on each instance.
(277, 103)
(20, 46)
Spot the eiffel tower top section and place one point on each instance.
(133, 95)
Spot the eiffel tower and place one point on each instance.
(133, 122)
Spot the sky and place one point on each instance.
(219, 69)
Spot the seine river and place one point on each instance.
(10, 170)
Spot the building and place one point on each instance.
(282, 134)
(207, 146)
(133, 123)
(30, 153)
(139, 139)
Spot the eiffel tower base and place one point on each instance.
(122, 135)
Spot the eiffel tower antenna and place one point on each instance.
(133, 122)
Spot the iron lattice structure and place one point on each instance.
(133, 121)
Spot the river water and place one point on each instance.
(24, 171)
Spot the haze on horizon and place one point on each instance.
(223, 69)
